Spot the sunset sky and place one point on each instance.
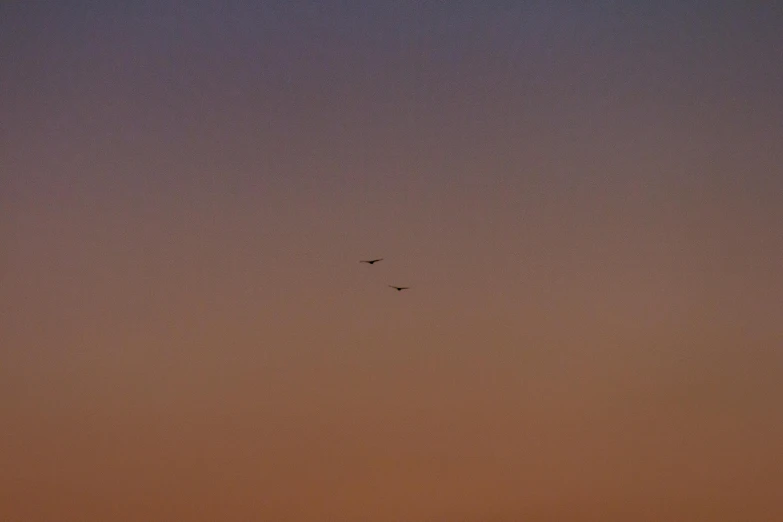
(586, 199)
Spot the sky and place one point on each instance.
(586, 200)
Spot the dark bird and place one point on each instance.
(399, 288)
(371, 261)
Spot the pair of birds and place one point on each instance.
(372, 262)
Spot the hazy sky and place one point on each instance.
(587, 201)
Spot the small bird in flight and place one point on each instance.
(399, 288)
(371, 261)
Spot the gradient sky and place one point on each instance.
(587, 201)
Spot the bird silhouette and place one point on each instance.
(371, 261)
(399, 288)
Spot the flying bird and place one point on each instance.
(371, 261)
(399, 288)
